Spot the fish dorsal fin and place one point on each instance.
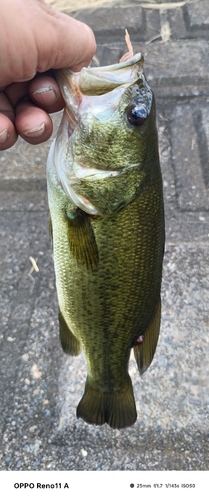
(82, 240)
(145, 350)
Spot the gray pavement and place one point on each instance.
(40, 386)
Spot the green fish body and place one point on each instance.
(107, 225)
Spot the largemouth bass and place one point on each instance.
(107, 225)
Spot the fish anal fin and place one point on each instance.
(82, 240)
(144, 350)
(117, 409)
(70, 344)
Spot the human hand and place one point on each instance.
(34, 38)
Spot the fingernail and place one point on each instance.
(46, 92)
(36, 131)
(4, 136)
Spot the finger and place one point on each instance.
(72, 42)
(45, 92)
(33, 124)
(6, 107)
(76, 48)
(8, 134)
(16, 92)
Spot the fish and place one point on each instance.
(106, 209)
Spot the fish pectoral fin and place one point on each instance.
(117, 409)
(69, 342)
(144, 351)
(82, 240)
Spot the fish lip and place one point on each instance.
(110, 67)
(129, 62)
(84, 172)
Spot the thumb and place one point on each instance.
(71, 44)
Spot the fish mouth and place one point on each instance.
(81, 90)
(99, 80)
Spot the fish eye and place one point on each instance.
(137, 114)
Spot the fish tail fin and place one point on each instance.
(117, 409)
(69, 342)
(144, 352)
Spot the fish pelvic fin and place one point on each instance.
(117, 409)
(144, 351)
(69, 342)
(82, 240)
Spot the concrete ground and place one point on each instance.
(40, 386)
